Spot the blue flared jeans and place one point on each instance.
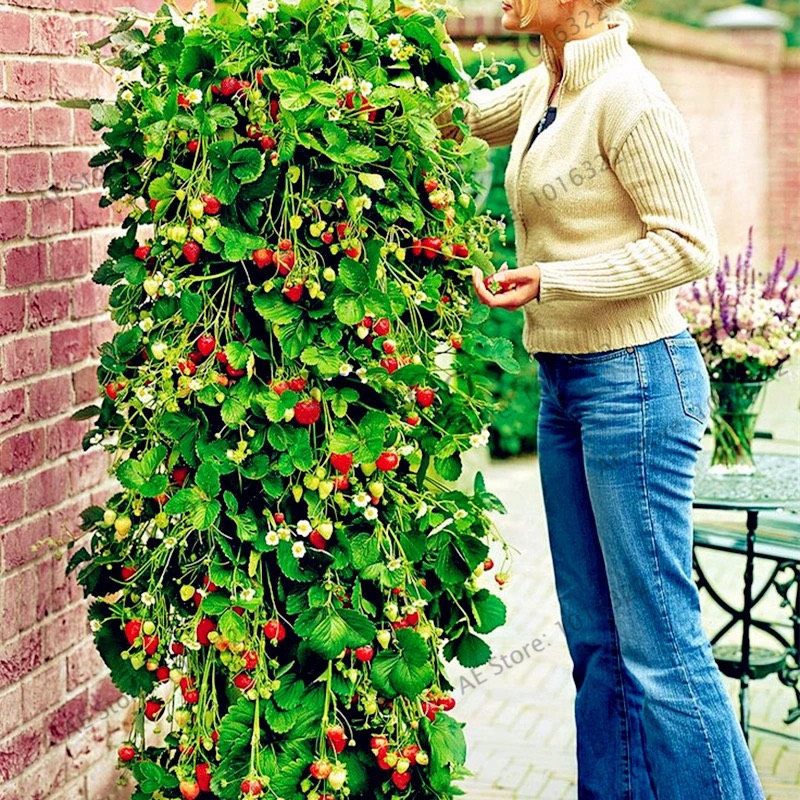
(619, 433)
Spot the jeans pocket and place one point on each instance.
(602, 355)
(691, 375)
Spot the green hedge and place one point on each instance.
(514, 429)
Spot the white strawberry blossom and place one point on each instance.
(298, 549)
(148, 599)
(304, 528)
(195, 96)
(365, 87)
(478, 47)
(272, 538)
(345, 370)
(346, 84)
(371, 513)
(362, 500)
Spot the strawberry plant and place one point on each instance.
(287, 566)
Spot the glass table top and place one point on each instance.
(774, 485)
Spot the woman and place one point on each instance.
(610, 219)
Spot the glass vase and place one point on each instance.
(735, 409)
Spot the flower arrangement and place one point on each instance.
(746, 329)
(286, 402)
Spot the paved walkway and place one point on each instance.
(520, 728)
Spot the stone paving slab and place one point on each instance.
(518, 709)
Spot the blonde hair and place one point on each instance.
(527, 9)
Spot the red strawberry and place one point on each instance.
(341, 482)
(206, 344)
(327, 237)
(416, 247)
(251, 786)
(279, 517)
(274, 108)
(180, 474)
(280, 387)
(378, 742)
(210, 204)
(365, 653)
(430, 710)
(126, 753)
(387, 461)
(268, 143)
(389, 364)
(262, 257)
(285, 261)
(411, 619)
(342, 462)
(431, 247)
(221, 356)
(297, 384)
(488, 564)
(367, 322)
(401, 779)
(191, 252)
(183, 101)
(426, 397)
(193, 145)
(337, 738)
(274, 630)
(354, 251)
(316, 539)
(250, 658)
(142, 252)
(307, 412)
(344, 47)
(153, 709)
(382, 327)
(253, 132)
(447, 703)
(413, 419)
(460, 250)
(133, 629)
(189, 790)
(235, 373)
(150, 644)
(457, 341)
(294, 293)
(177, 648)
(162, 673)
(195, 357)
(111, 391)
(203, 774)
(127, 572)
(209, 585)
(191, 696)
(229, 86)
(244, 681)
(153, 205)
(204, 627)
(389, 347)
(187, 368)
(410, 752)
(320, 770)
(350, 102)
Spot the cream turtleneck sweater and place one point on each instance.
(606, 201)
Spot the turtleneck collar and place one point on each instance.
(585, 59)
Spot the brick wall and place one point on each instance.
(57, 734)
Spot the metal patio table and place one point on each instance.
(770, 502)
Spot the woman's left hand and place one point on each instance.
(517, 287)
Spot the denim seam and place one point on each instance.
(660, 585)
(625, 717)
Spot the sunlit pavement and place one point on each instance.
(518, 710)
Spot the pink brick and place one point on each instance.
(48, 306)
(71, 171)
(50, 215)
(104, 693)
(12, 502)
(15, 32)
(21, 452)
(84, 134)
(28, 172)
(69, 258)
(53, 34)
(26, 355)
(24, 657)
(52, 125)
(63, 631)
(88, 299)
(83, 665)
(87, 212)
(44, 690)
(49, 397)
(15, 122)
(16, 593)
(84, 382)
(81, 80)
(12, 408)
(13, 217)
(64, 436)
(12, 313)
(17, 754)
(70, 346)
(12, 712)
(27, 80)
(25, 265)
(88, 470)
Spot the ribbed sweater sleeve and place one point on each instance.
(494, 114)
(655, 166)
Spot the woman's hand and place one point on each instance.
(517, 287)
